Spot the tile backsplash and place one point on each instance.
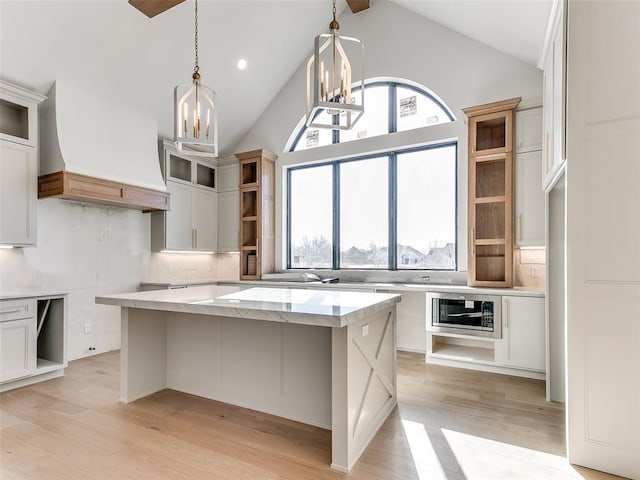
(529, 266)
(88, 250)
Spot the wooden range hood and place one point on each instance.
(73, 186)
(93, 151)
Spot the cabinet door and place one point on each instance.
(229, 221)
(529, 130)
(228, 177)
(529, 204)
(491, 221)
(18, 194)
(554, 105)
(547, 114)
(179, 234)
(523, 342)
(558, 98)
(17, 348)
(204, 214)
(491, 133)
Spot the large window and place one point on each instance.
(393, 211)
(389, 107)
(310, 217)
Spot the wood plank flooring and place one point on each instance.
(450, 424)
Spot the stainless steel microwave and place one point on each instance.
(479, 315)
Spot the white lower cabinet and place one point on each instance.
(17, 348)
(32, 340)
(521, 351)
(523, 342)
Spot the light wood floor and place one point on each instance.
(450, 424)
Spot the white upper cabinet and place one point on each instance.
(529, 195)
(191, 224)
(553, 145)
(18, 194)
(18, 165)
(529, 128)
(204, 218)
(19, 114)
(179, 234)
(228, 207)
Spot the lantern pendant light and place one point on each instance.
(195, 115)
(336, 65)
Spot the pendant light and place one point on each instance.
(335, 66)
(195, 116)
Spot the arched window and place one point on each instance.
(390, 106)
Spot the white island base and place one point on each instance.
(337, 377)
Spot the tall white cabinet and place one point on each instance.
(528, 194)
(603, 235)
(18, 165)
(228, 205)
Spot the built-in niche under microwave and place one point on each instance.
(478, 315)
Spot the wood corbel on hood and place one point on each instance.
(73, 186)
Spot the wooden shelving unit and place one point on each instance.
(491, 139)
(257, 213)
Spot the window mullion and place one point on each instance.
(393, 201)
(289, 218)
(393, 120)
(336, 216)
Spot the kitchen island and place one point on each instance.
(325, 358)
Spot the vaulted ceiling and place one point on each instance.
(110, 47)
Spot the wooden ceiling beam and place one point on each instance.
(358, 5)
(151, 8)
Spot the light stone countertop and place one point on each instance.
(392, 287)
(33, 294)
(290, 305)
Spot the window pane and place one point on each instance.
(417, 110)
(311, 208)
(375, 119)
(427, 209)
(364, 217)
(314, 137)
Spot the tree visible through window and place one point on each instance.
(392, 211)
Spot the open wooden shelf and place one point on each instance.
(462, 349)
(490, 209)
(257, 213)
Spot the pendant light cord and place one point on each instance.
(334, 25)
(196, 68)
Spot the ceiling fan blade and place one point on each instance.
(151, 8)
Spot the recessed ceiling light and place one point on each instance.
(242, 64)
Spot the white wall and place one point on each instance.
(87, 250)
(401, 44)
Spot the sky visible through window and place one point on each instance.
(425, 215)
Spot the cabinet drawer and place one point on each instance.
(17, 309)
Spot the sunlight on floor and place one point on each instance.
(441, 454)
(424, 456)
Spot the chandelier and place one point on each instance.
(195, 117)
(336, 65)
